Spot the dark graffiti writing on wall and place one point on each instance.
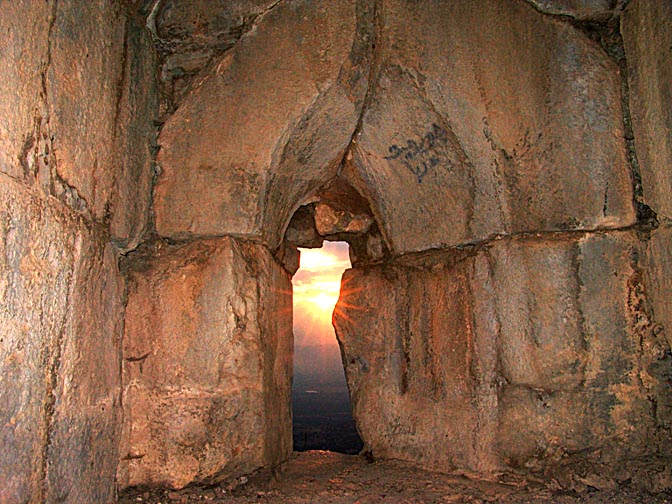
(419, 156)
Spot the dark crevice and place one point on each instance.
(47, 63)
(579, 288)
(646, 217)
(134, 24)
(455, 254)
(53, 351)
(403, 304)
(27, 151)
(119, 98)
(53, 367)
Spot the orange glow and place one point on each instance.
(316, 289)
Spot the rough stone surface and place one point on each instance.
(330, 220)
(275, 314)
(499, 146)
(659, 278)
(599, 390)
(190, 34)
(84, 73)
(136, 138)
(515, 357)
(290, 257)
(341, 213)
(284, 100)
(205, 24)
(301, 230)
(481, 131)
(60, 315)
(207, 364)
(407, 365)
(597, 10)
(66, 78)
(23, 59)
(647, 35)
(537, 339)
(502, 136)
(38, 261)
(87, 416)
(63, 106)
(370, 248)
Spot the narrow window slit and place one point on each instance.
(322, 418)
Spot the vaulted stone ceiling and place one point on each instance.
(435, 121)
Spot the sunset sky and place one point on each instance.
(316, 287)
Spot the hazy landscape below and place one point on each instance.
(320, 401)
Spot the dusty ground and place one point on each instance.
(327, 477)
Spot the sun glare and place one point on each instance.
(320, 398)
(324, 301)
(317, 285)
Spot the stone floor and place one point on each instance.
(327, 477)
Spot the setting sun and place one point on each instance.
(316, 289)
(324, 301)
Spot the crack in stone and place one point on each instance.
(254, 21)
(645, 214)
(372, 79)
(52, 357)
(472, 248)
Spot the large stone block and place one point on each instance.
(513, 356)
(560, 319)
(657, 278)
(65, 78)
(506, 126)
(207, 364)
(572, 369)
(277, 345)
(37, 263)
(23, 56)
(647, 35)
(60, 307)
(284, 101)
(86, 427)
(541, 333)
(82, 85)
(507, 121)
(407, 346)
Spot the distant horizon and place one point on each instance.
(322, 417)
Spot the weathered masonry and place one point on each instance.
(501, 169)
